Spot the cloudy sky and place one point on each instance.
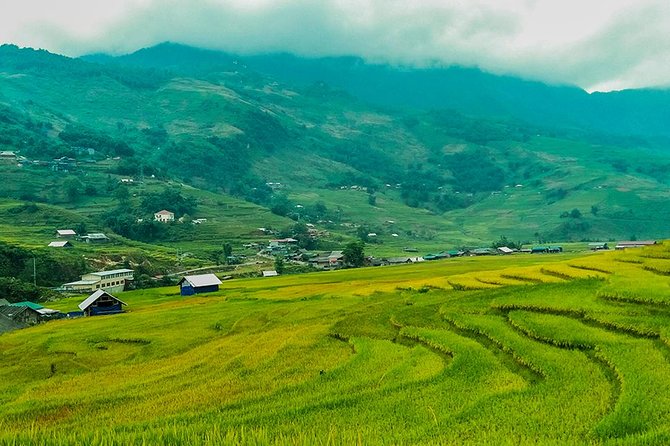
(596, 44)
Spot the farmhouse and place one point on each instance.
(505, 250)
(21, 314)
(65, 233)
(7, 156)
(60, 244)
(599, 246)
(112, 281)
(97, 237)
(202, 283)
(164, 216)
(334, 260)
(635, 244)
(270, 273)
(100, 303)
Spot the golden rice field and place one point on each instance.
(527, 349)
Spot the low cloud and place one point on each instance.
(620, 44)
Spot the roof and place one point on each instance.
(201, 280)
(164, 212)
(81, 282)
(99, 235)
(59, 244)
(271, 273)
(95, 296)
(7, 153)
(3, 302)
(284, 240)
(505, 250)
(110, 272)
(65, 232)
(11, 311)
(598, 244)
(27, 303)
(637, 243)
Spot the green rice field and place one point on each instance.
(528, 349)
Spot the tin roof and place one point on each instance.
(95, 296)
(201, 280)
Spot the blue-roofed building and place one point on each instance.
(202, 283)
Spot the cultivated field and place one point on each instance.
(529, 349)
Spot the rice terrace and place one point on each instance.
(565, 349)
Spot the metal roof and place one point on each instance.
(59, 244)
(27, 303)
(270, 273)
(81, 282)
(65, 232)
(164, 212)
(201, 280)
(95, 296)
(111, 271)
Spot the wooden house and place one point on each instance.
(21, 314)
(202, 283)
(101, 303)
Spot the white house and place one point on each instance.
(164, 216)
(112, 281)
(65, 233)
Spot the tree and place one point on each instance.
(73, 189)
(354, 254)
(227, 252)
(372, 200)
(279, 264)
(575, 213)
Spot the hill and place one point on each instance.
(539, 349)
(172, 116)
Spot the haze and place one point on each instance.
(597, 45)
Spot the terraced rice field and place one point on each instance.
(519, 350)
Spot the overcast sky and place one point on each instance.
(596, 44)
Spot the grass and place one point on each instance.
(529, 350)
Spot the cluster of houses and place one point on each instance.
(66, 236)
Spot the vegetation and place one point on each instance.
(539, 349)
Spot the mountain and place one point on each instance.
(467, 90)
(316, 153)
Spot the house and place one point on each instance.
(399, 260)
(201, 283)
(599, 246)
(505, 250)
(101, 303)
(97, 237)
(271, 273)
(164, 216)
(21, 314)
(539, 249)
(482, 252)
(635, 244)
(555, 249)
(7, 156)
(334, 260)
(60, 244)
(282, 246)
(113, 281)
(65, 233)
(29, 304)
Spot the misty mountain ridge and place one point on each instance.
(642, 112)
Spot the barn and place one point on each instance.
(101, 302)
(202, 283)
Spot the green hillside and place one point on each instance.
(527, 349)
(245, 151)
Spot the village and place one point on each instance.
(100, 287)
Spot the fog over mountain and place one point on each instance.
(596, 45)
